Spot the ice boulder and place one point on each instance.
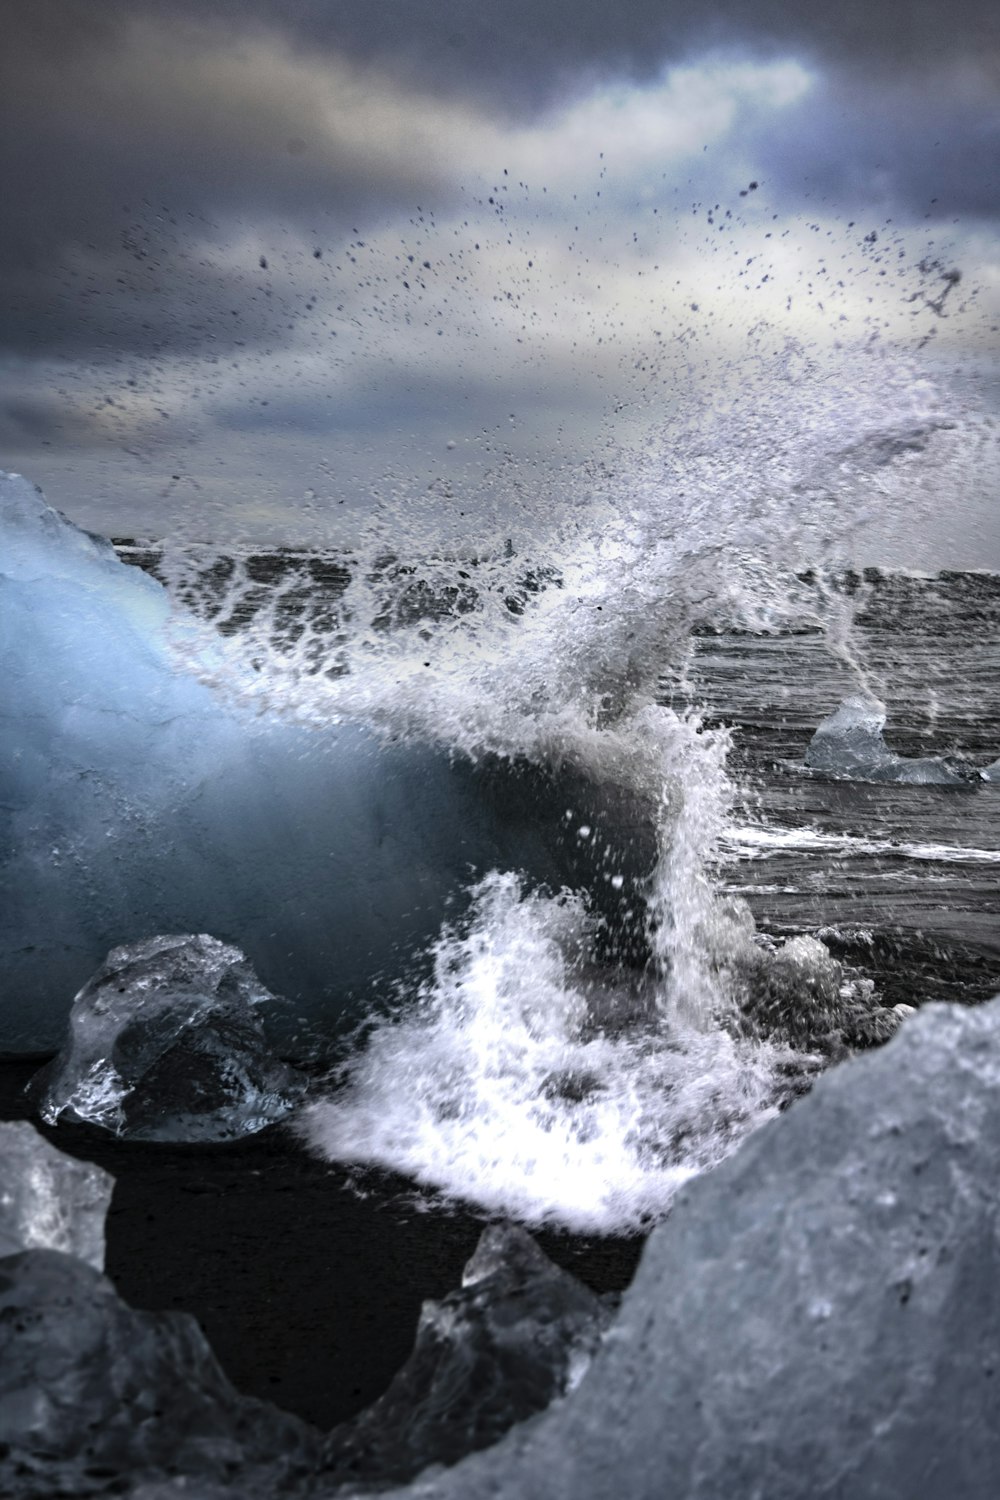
(991, 772)
(850, 743)
(166, 1043)
(49, 1201)
(818, 1315)
(519, 1333)
(142, 790)
(95, 1397)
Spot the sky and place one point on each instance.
(270, 265)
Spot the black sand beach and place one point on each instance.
(306, 1280)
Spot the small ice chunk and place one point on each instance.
(850, 743)
(165, 1044)
(519, 1333)
(49, 1201)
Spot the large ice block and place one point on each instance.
(166, 1043)
(136, 799)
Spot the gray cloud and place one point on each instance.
(171, 170)
(33, 421)
(925, 148)
(135, 133)
(521, 52)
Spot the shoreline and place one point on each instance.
(306, 1277)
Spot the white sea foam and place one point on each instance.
(519, 1079)
(758, 842)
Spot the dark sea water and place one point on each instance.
(902, 881)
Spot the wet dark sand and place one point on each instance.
(307, 1281)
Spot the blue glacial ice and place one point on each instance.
(136, 800)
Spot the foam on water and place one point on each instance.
(521, 1079)
(756, 842)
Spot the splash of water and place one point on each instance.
(527, 1080)
(524, 1075)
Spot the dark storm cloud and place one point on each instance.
(519, 51)
(127, 141)
(136, 132)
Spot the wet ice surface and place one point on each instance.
(48, 1200)
(518, 1333)
(166, 1043)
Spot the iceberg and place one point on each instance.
(166, 1043)
(49, 1201)
(850, 743)
(137, 799)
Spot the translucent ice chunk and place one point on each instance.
(519, 1333)
(49, 1200)
(849, 743)
(165, 1044)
